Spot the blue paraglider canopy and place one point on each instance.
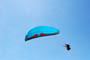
(41, 31)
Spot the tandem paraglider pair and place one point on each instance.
(41, 31)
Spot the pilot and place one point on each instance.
(67, 47)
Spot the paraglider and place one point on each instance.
(41, 31)
(68, 47)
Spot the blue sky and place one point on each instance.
(71, 17)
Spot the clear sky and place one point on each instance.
(71, 17)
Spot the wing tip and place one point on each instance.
(27, 39)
